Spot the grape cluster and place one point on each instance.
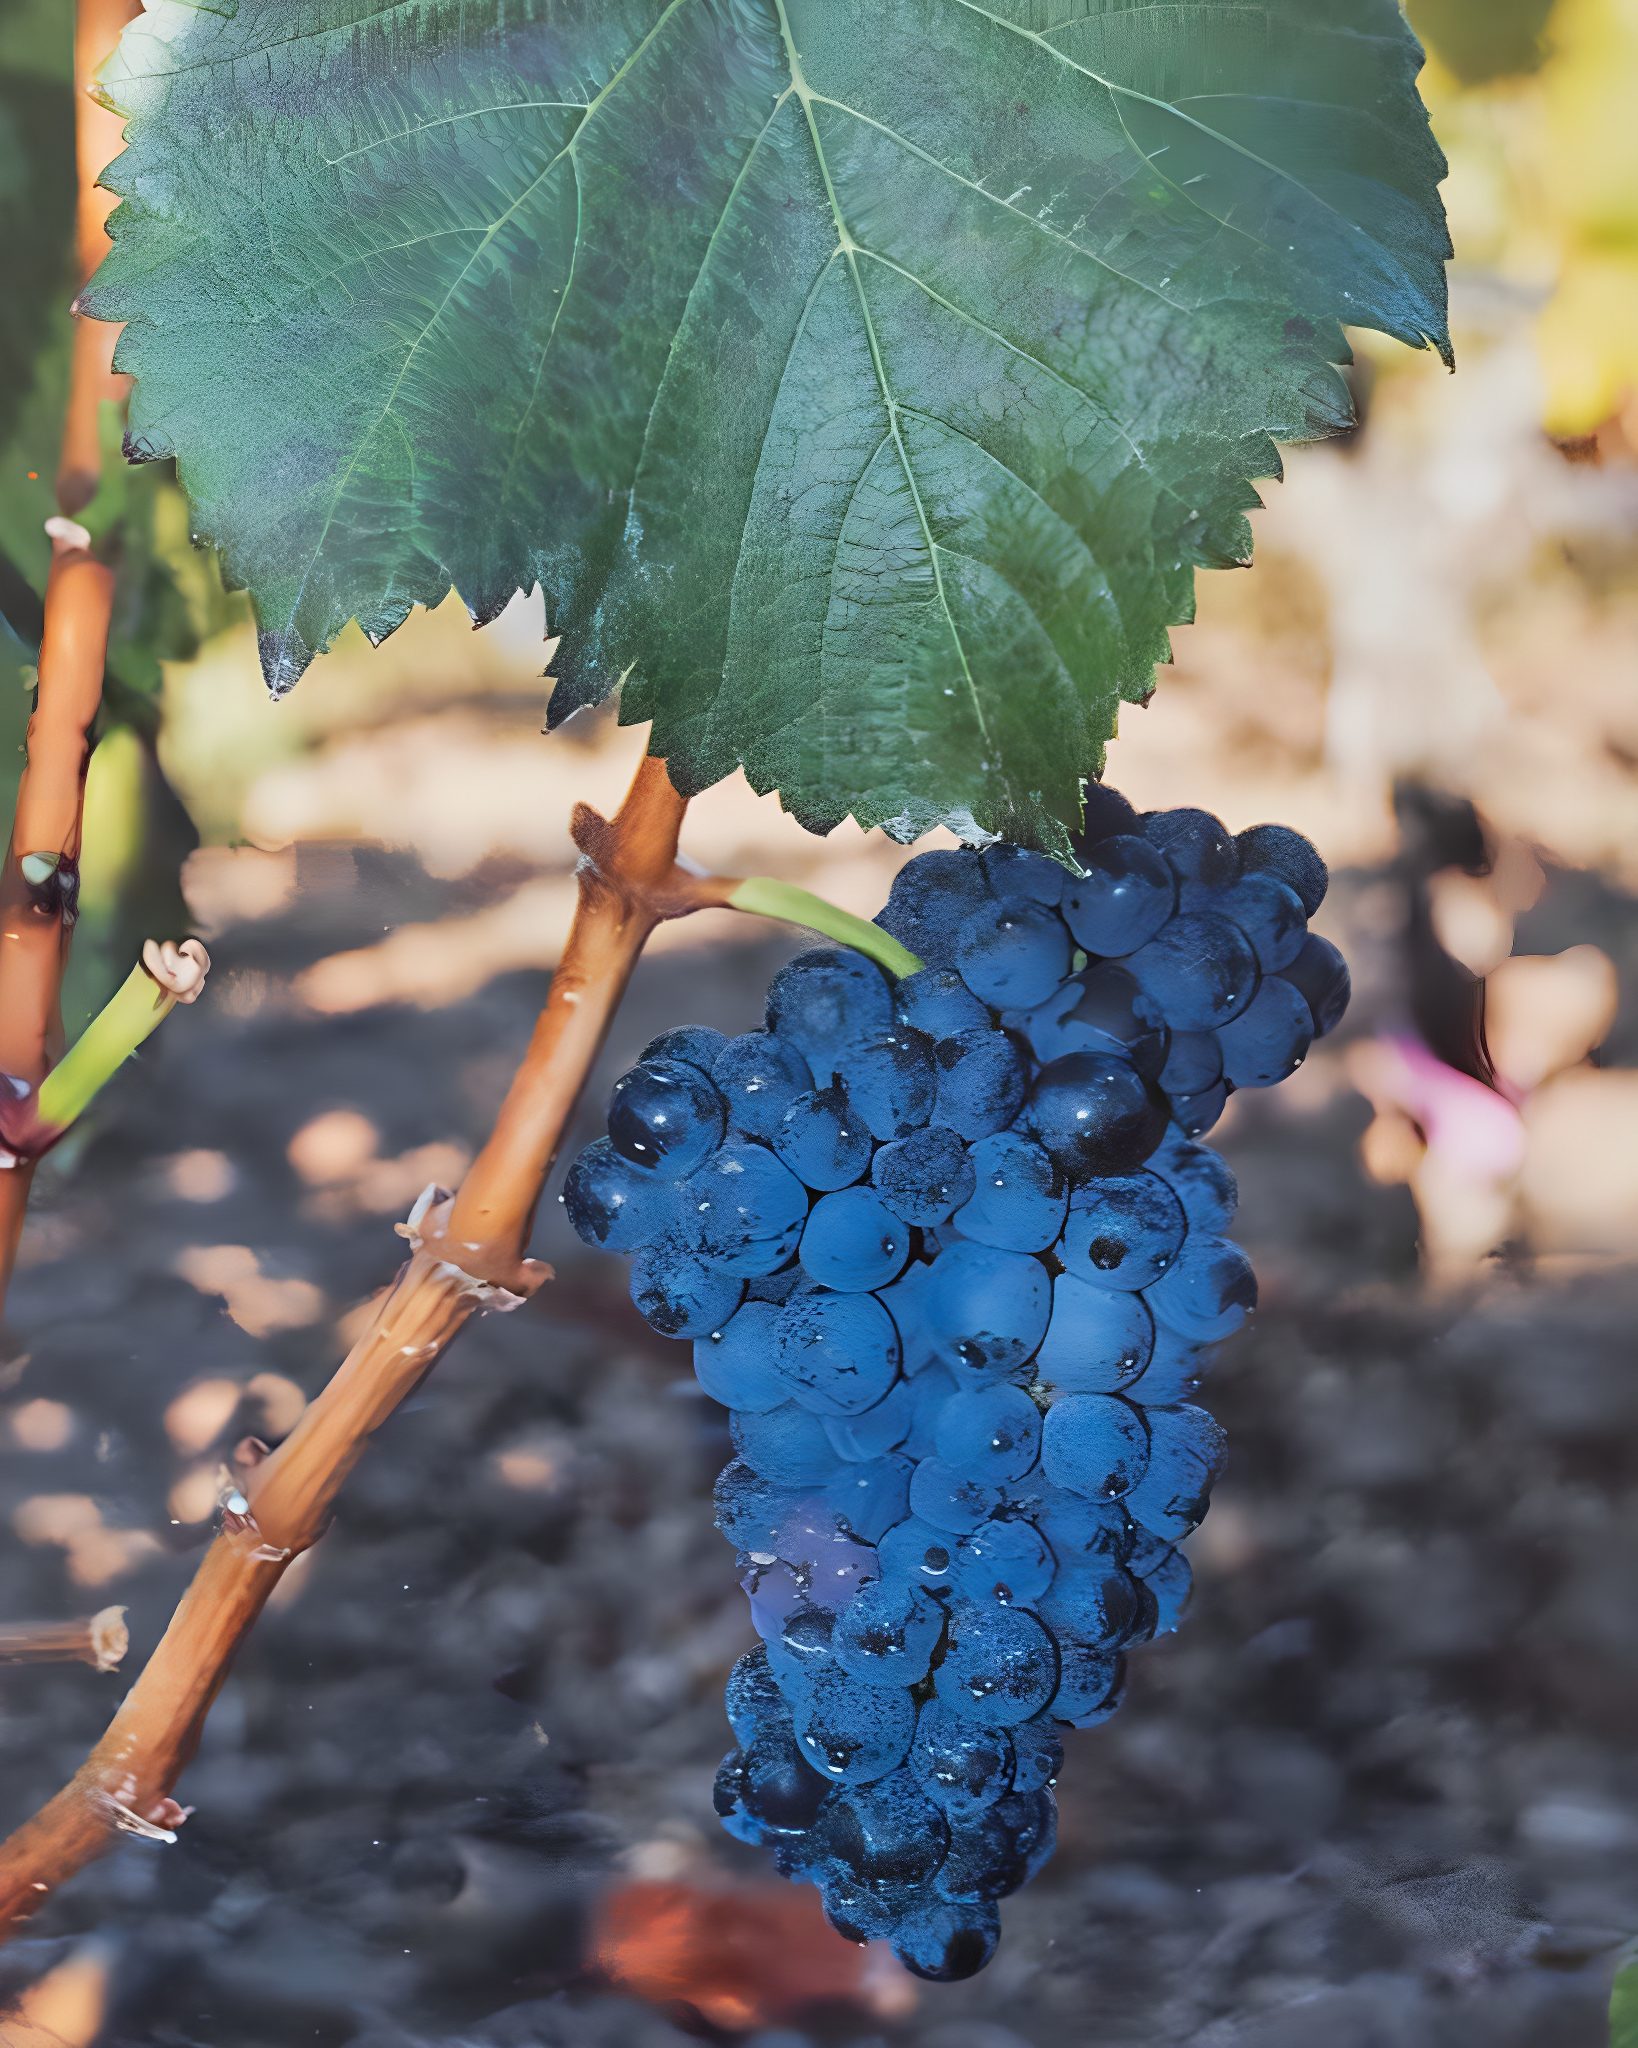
(948, 1253)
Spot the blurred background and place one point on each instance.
(1381, 1789)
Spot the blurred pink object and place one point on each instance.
(1468, 1123)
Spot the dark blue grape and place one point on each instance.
(1002, 1850)
(752, 1698)
(696, 1045)
(1195, 1115)
(1013, 955)
(666, 1114)
(1270, 915)
(1038, 1754)
(1196, 845)
(726, 1793)
(1199, 971)
(1091, 1684)
(924, 1178)
(750, 1509)
(946, 1942)
(951, 1501)
(1018, 1199)
(1270, 1042)
(1187, 1447)
(1100, 1607)
(1113, 1015)
(838, 1353)
(776, 1787)
(1320, 976)
(891, 1081)
(877, 1430)
(961, 1766)
(869, 1497)
(992, 1434)
(744, 1210)
(826, 1001)
(820, 1139)
(1098, 1340)
(904, 1302)
(938, 1002)
(1175, 1370)
(829, 1560)
(888, 1634)
(1009, 1562)
(1000, 1665)
(929, 898)
(914, 1553)
(1277, 850)
(1123, 1233)
(1094, 1444)
(935, 1385)
(850, 1733)
(1208, 1293)
(980, 1083)
(805, 1635)
(986, 1310)
(616, 1204)
(1194, 1062)
(853, 1242)
(759, 1077)
(1019, 876)
(1086, 1535)
(734, 1364)
(1201, 1180)
(786, 1446)
(681, 1294)
(1125, 896)
(1094, 1114)
(1166, 1572)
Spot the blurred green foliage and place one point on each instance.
(1484, 39)
(1624, 2009)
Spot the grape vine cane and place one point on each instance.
(863, 382)
(948, 1253)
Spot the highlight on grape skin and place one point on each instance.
(951, 1256)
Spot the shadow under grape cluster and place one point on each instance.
(950, 1256)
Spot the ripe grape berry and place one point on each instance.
(950, 1258)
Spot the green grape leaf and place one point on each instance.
(863, 380)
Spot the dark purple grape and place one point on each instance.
(961, 1766)
(1123, 1232)
(1091, 1684)
(949, 1500)
(1105, 814)
(759, 1077)
(1277, 850)
(1194, 1062)
(1270, 1042)
(825, 1001)
(1019, 1199)
(681, 1294)
(853, 1734)
(1200, 972)
(888, 1634)
(1013, 955)
(1196, 845)
(938, 1002)
(667, 1115)
(875, 1432)
(1201, 1180)
(853, 1242)
(776, 1787)
(870, 1497)
(1094, 1114)
(1097, 1607)
(1187, 1447)
(946, 1942)
(1167, 1574)
(1002, 1850)
(929, 899)
(914, 1553)
(1098, 1340)
(750, 1510)
(696, 1045)
(888, 1835)
(1086, 1535)
(752, 1698)
(838, 1353)
(1175, 1370)
(615, 1204)
(1019, 876)
(890, 1081)
(924, 1178)
(1195, 1115)
(1269, 914)
(820, 1139)
(743, 1210)
(986, 1310)
(1320, 975)
(1208, 1293)
(786, 1446)
(980, 1083)
(1038, 1754)
(735, 1363)
(990, 1433)
(1000, 1665)
(1008, 1562)
(1094, 1444)
(1125, 896)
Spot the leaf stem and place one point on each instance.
(139, 1006)
(762, 896)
